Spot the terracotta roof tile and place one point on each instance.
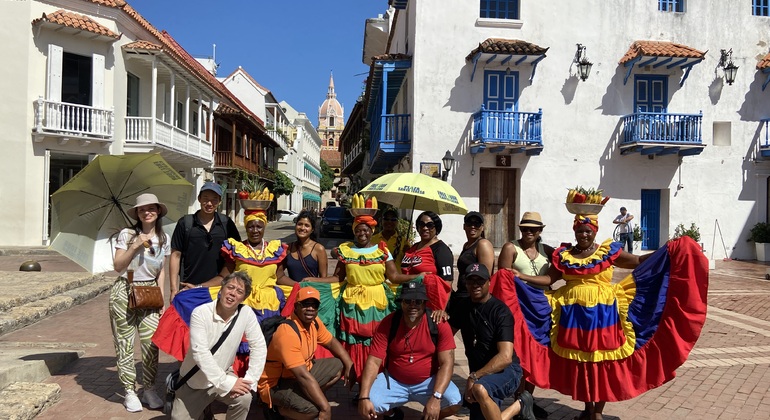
(394, 57)
(507, 47)
(332, 158)
(73, 20)
(660, 49)
(142, 45)
(764, 63)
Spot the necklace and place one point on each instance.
(260, 256)
(408, 344)
(581, 250)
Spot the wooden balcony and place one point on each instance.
(764, 138)
(391, 141)
(513, 131)
(232, 160)
(662, 133)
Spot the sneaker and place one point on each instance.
(538, 411)
(152, 399)
(398, 414)
(132, 403)
(526, 401)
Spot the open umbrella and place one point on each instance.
(91, 207)
(406, 190)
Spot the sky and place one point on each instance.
(288, 46)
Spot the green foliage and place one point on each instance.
(327, 177)
(693, 232)
(283, 185)
(760, 233)
(638, 233)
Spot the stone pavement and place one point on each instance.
(726, 377)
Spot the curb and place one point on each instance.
(24, 400)
(13, 251)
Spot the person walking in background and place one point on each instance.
(197, 238)
(143, 248)
(626, 229)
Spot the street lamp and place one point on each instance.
(730, 69)
(583, 65)
(449, 163)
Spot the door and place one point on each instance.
(650, 219)
(501, 93)
(497, 202)
(650, 93)
(62, 168)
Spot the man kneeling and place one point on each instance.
(419, 359)
(292, 383)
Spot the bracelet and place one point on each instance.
(363, 398)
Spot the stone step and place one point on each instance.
(26, 250)
(56, 297)
(17, 290)
(25, 400)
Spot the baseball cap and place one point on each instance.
(413, 290)
(473, 214)
(212, 186)
(308, 293)
(477, 270)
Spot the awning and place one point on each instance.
(764, 67)
(661, 53)
(506, 52)
(311, 197)
(313, 170)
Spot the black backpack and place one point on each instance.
(396, 322)
(271, 324)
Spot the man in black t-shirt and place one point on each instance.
(487, 332)
(197, 241)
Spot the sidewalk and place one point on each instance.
(726, 377)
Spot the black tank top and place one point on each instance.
(466, 258)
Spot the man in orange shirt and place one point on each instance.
(293, 384)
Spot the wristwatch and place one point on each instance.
(437, 395)
(473, 377)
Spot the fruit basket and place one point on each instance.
(363, 212)
(255, 204)
(583, 208)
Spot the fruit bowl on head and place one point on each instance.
(255, 204)
(584, 208)
(362, 212)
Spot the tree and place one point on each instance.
(327, 177)
(283, 185)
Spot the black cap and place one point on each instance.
(473, 214)
(413, 290)
(477, 270)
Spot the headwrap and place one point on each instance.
(592, 220)
(367, 220)
(250, 215)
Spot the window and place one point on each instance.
(132, 96)
(194, 123)
(331, 142)
(760, 7)
(76, 79)
(331, 121)
(671, 6)
(179, 115)
(499, 9)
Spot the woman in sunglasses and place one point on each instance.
(433, 258)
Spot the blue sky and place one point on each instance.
(288, 46)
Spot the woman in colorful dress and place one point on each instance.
(432, 258)
(366, 299)
(143, 248)
(589, 337)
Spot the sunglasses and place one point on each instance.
(148, 245)
(390, 219)
(530, 229)
(429, 225)
(474, 224)
(413, 301)
(310, 303)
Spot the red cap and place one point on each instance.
(308, 293)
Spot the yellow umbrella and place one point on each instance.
(406, 190)
(91, 207)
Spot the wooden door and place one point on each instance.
(497, 202)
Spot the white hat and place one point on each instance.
(143, 200)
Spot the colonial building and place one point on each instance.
(307, 194)
(639, 98)
(331, 123)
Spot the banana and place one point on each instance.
(272, 196)
(374, 202)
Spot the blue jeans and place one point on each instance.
(385, 399)
(499, 386)
(627, 239)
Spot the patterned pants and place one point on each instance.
(125, 324)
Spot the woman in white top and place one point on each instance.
(144, 248)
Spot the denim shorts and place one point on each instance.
(385, 399)
(499, 386)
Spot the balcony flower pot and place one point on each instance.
(760, 234)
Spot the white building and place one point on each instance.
(655, 124)
(306, 162)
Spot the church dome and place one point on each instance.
(331, 113)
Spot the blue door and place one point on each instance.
(501, 93)
(650, 93)
(650, 219)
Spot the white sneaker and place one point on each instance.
(152, 399)
(132, 403)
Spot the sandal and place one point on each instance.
(584, 415)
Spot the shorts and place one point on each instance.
(385, 399)
(499, 386)
(288, 392)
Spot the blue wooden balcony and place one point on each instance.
(662, 133)
(764, 138)
(390, 141)
(517, 132)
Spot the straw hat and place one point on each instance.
(143, 200)
(531, 219)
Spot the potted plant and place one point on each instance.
(692, 231)
(760, 234)
(638, 237)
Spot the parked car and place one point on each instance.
(337, 220)
(287, 215)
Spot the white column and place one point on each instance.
(210, 131)
(200, 114)
(172, 105)
(154, 103)
(187, 111)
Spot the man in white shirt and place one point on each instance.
(626, 229)
(216, 380)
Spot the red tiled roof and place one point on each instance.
(397, 56)
(507, 47)
(764, 63)
(333, 158)
(73, 20)
(248, 76)
(142, 45)
(660, 49)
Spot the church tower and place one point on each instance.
(331, 122)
